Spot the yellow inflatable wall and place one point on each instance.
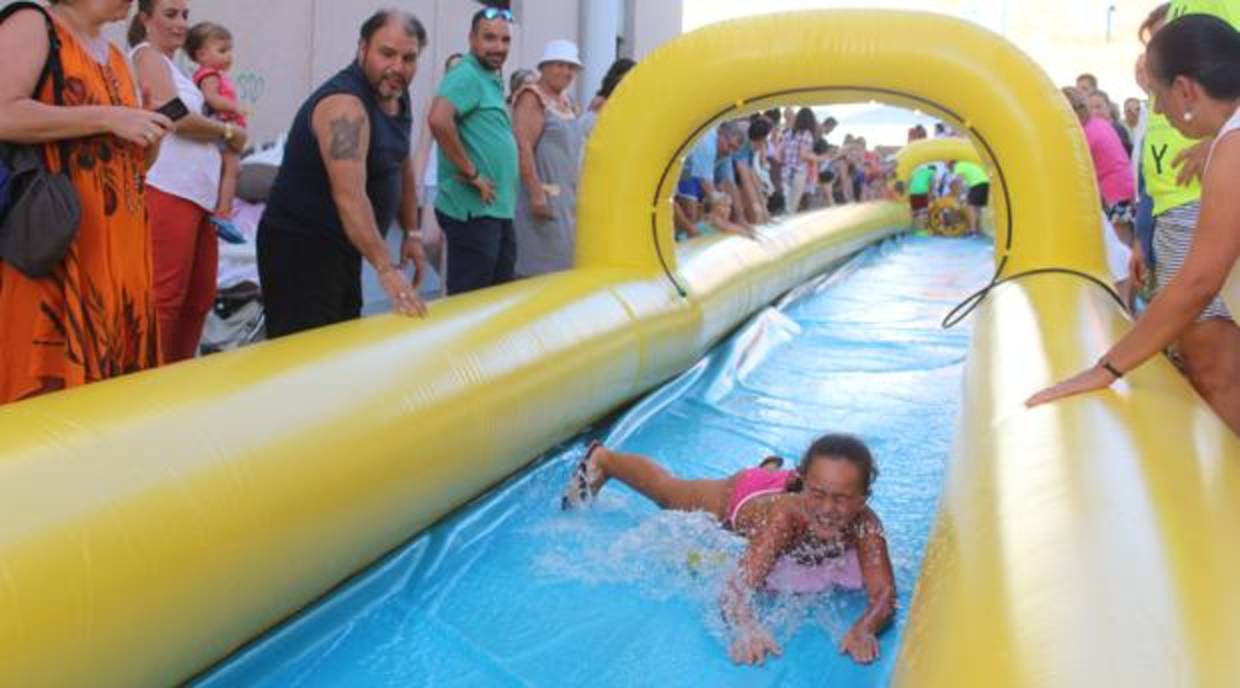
(918, 153)
(151, 524)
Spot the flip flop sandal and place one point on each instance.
(226, 230)
(772, 463)
(577, 492)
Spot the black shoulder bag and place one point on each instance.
(39, 210)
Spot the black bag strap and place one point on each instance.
(52, 67)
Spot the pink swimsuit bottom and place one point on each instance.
(752, 483)
(788, 576)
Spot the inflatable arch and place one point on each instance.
(918, 153)
(150, 525)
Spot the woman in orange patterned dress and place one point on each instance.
(94, 317)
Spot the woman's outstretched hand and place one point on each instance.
(1089, 380)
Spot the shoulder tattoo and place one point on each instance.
(346, 143)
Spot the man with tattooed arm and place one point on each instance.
(347, 174)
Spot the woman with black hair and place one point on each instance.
(809, 530)
(615, 74)
(1194, 70)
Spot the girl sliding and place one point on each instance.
(808, 531)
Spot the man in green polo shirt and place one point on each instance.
(477, 160)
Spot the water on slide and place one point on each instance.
(511, 591)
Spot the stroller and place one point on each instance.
(236, 320)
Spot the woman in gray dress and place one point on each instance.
(549, 148)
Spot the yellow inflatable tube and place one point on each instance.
(918, 153)
(151, 524)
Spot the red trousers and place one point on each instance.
(186, 253)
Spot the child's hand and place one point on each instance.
(861, 645)
(752, 645)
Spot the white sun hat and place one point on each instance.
(560, 50)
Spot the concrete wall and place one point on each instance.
(650, 23)
(285, 48)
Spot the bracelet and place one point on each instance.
(1106, 365)
(228, 131)
(414, 234)
(474, 177)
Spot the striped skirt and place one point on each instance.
(1173, 235)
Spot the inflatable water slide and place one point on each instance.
(152, 525)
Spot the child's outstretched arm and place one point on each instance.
(751, 642)
(861, 641)
(210, 86)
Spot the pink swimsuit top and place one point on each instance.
(789, 575)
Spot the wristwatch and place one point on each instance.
(1110, 368)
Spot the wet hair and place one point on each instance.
(411, 24)
(838, 447)
(1156, 16)
(759, 127)
(805, 121)
(137, 26)
(201, 34)
(447, 64)
(1201, 47)
(1093, 80)
(615, 74)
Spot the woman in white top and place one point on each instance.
(183, 183)
(1194, 67)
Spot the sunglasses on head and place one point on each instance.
(492, 13)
